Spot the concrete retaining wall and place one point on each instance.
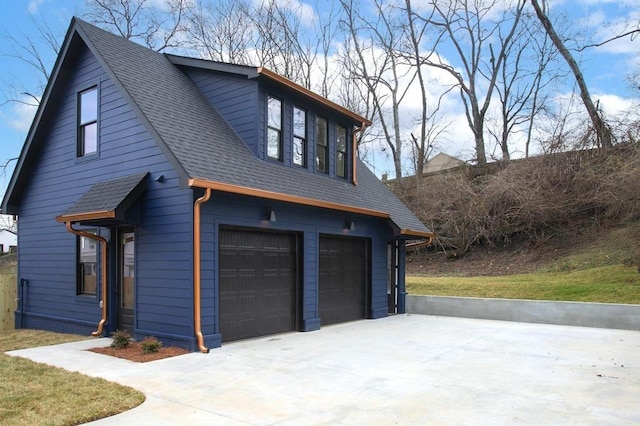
(602, 315)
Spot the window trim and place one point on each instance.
(279, 130)
(80, 276)
(325, 146)
(303, 138)
(345, 162)
(81, 124)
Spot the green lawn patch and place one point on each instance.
(606, 284)
(37, 394)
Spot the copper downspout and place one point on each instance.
(360, 129)
(197, 270)
(103, 259)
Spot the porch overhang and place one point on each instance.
(106, 203)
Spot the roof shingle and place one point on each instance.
(204, 147)
(107, 200)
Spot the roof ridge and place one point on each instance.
(200, 144)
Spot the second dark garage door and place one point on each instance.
(343, 279)
(258, 283)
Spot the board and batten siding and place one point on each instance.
(225, 210)
(58, 178)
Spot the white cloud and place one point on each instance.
(303, 11)
(615, 105)
(33, 7)
(20, 116)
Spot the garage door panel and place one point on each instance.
(343, 279)
(258, 283)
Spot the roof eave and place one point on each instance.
(7, 207)
(308, 93)
(247, 71)
(85, 217)
(417, 234)
(243, 190)
(253, 72)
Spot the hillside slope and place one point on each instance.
(585, 249)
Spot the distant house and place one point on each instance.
(8, 241)
(196, 201)
(441, 162)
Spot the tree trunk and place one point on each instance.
(603, 132)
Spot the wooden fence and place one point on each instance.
(8, 296)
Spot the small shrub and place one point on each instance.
(150, 345)
(121, 339)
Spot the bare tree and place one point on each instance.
(470, 27)
(159, 27)
(284, 40)
(432, 132)
(561, 127)
(431, 126)
(523, 79)
(277, 35)
(375, 62)
(631, 34)
(221, 31)
(544, 56)
(326, 28)
(38, 52)
(603, 132)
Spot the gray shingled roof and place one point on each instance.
(201, 144)
(114, 196)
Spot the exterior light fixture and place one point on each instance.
(350, 226)
(271, 215)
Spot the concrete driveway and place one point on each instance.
(401, 370)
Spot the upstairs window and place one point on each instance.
(274, 128)
(299, 136)
(341, 151)
(87, 270)
(322, 163)
(88, 122)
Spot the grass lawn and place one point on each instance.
(37, 394)
(606, 284)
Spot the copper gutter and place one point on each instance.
(197, 271)
(304, 91)
(428, 235)
(419, 244)
(243, 190)
(103, 259)
(106, 214)
(354, 153)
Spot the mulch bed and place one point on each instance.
(134, 352)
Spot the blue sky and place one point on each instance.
(606, 68)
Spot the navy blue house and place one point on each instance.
(196, 201)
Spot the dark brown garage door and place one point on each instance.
(343, 279)
(258, 283)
